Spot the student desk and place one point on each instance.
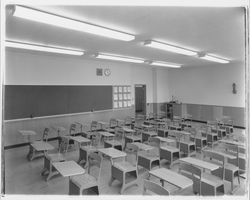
(27, 133)
(127, 130)
(106, 135)
(113, 143)
(83, 154)
(80, 140)
(148, 134)
(68, 168)
(120, 122)
(174, 127)
(162, 132)
(38, 148)
(166, 140)
(226, 155)
(143, 147)
(178, 180)
(146, 127)
(103, 124)
(232, 142)
(200, 163)
(112, 153)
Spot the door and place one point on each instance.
(140, 99)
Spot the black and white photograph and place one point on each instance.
(121, 98)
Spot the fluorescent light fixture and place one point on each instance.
(163, 64)
(38, 47)
(171, 48)
(46, 18)
(215, 59)
(120, 58)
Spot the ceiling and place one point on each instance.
(214, 30)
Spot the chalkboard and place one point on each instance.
(28, 101)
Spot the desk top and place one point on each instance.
(27, 132)
(143, 147)
(232, 142)
(80, 139)
(106, 134)
(150, 133)
(226, 155)
(112, 152)
(120, 120)
(42, 146)
(172, 177)
(68, 168)
(146, 126)
(126, 129)
(200, 163)
(162, 139)
(102, 123)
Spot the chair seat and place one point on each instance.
(124, 166)
(231, 167)
(150, 155)
(211, 179)
(84, 181)
(55, 157)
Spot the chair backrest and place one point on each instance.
(95, 138)
(72, 129)
(192, 170)
(95, 160)
(232, 149)
(113, 122)
(131, 149)
(154, 187)
(94, 125)
(45, 135)
(63, 147)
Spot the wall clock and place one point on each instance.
(107, 72)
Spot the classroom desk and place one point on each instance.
(120, 122)
(127, 130)
(178, 180)
(38, 149)
(174, 127)
(166, 140)
(162, 132)
(68, 168)
(200, 163)
(103, 124)
(226, 155)
(106, 135)
(113, 143)
(27, 133)
(80, 140)
(112, 153)
(232, 142)
(148, 134)
(143, 147)
(146, 127)
(83, 154)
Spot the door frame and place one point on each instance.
(145, 97)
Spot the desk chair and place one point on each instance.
(35, 149)
(186, 146)
(94, 126)
(126, 171)
(213, 182)
(152, 188)
(133, 137)
(84, 154)
(150, 159)
(113, 123)
(128, 121)
(88, 181)
(48, 169)
(116, 142)
(231, 168)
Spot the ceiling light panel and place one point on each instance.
(171, 48)
(120, 58)
(163, 64)
(215, 59)
(46, 18)
(38, 47)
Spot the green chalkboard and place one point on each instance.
(28, 101)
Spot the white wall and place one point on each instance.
(209, 85)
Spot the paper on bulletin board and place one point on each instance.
(125, 104)
(115, 89)
(120, 104)
(129, 103)
(120, 97)
(129, 89)
(129, 96)
(125, 96)
(120, 89)
(115, 97)
(115, 104)
(125, 89)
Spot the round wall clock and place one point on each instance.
(107, 72)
